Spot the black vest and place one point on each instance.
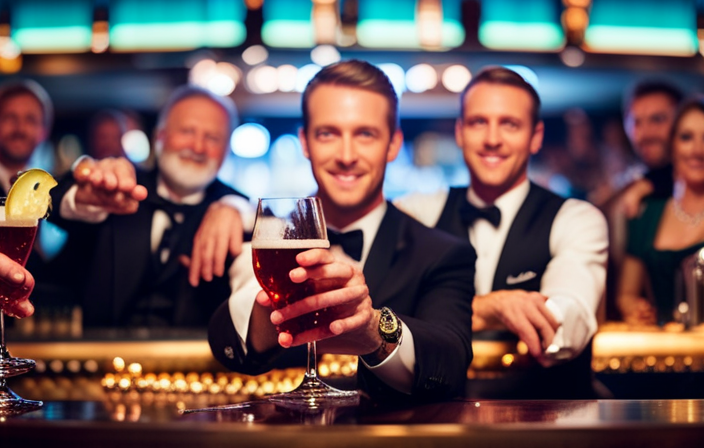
(126, 288)
(525, 256)
(526, 252)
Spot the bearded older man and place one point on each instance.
(130, 232)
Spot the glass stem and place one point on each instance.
(3, 350)
(312, 367)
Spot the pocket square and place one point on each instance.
(520, 278)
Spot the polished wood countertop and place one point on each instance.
(602, 423)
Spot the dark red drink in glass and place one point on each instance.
(272, 266)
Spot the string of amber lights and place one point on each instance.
(131, 377)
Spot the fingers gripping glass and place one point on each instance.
(284, 228)
(16, 240)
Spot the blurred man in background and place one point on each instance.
(129, 255)
(648, 112)
(26, 114)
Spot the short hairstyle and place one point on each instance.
(357, 74)
(505, 77)
(651, 87)
(695, 102)
(189, 91)
(12, 89)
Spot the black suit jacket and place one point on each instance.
(427, 278)
(114, 263)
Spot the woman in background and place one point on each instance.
(667, 230)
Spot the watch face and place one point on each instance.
(388, 325)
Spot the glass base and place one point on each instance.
(12, 404)
(315, 394)
(15, 366)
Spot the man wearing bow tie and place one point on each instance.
(394, 267)
(541, 258)
(130, 231)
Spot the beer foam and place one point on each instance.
(290, 244)
(16, 222)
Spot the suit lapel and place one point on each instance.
(383, 250)
(132, 246)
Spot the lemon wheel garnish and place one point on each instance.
(29, 196)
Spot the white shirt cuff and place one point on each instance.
(572, 335)
(245, 287)
(397, 369)
(77, 212)
(247, 210)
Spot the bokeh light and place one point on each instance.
(250, 140)
(256, 54)
(421, 77)
(526, 73)
(305, 74)
(287, 77)
(263, 79)
(286, 150)
(136, 145)
(324, 55)
(396, 75)
(455, 78)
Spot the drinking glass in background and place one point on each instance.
(16, 241)
(284, 228)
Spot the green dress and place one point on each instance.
(663, 266)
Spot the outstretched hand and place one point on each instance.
(108, 183)
(521, 312)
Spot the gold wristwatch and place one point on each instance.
(389, 326)
(390, 332)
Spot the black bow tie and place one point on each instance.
(469, 213)
(351, 242)
(177, 212)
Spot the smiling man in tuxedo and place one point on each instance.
(541, 259)
(130, 230)
(401, 270)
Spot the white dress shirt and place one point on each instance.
(396, 370)
(575, 278)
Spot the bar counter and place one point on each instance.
(116, 391)
(574, 424)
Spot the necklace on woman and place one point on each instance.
(685, 217)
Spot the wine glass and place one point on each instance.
(16, 240)
(284, 228)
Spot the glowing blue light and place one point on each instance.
(396, 75)
(136, 145)
(527, 74)
(286, 150)
(304, 75)
(250, 140)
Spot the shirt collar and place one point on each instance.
(163, 191)
(369, 225)
(508, 203)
